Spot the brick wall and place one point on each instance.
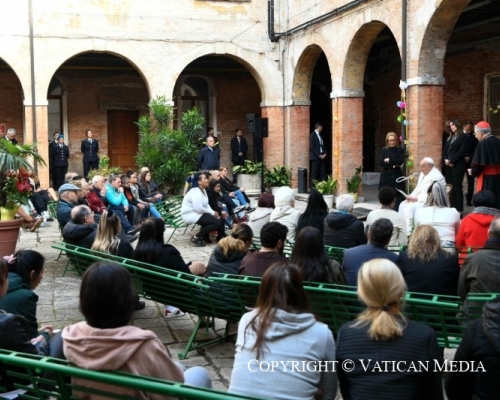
(90, 95)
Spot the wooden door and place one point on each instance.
(123, 138)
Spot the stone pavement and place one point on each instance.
(58, 302)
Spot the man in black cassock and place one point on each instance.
(486, 161)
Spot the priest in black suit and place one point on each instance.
(90, 149)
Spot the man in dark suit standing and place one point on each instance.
(239, 150)
(90, 149)
(59, 154)
(317, 154)
(52, 144)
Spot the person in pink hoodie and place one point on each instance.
(106, 341)
(473, 231)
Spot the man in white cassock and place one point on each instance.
(416, 199)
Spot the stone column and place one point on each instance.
(42, 136)
(347, 135)
(424, 102)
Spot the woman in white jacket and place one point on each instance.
(195, 210)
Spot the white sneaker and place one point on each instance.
(44, 223)
(171, 311)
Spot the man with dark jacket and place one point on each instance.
(68, 198)
(273, 239)
(209, 156)
(90, 150)
(341, 228)
(378, 238)
(81, 230)
(317, 154)
(239, 150)
(479, 273)
(59, 156)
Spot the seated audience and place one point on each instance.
(69, 176)
(40, 197)
(97, 196)
(479, 274)
(341, 228)
(310, 256)
(315, 213)
(106, 302)
(283, 329)
(272, 239)
(148, 189)
(30, 222)
(382, 333)
(227, 255)
(213, 193)
(387, 198)
(232, 190)
(117, 202)
(262, 214)
(479, 344)
(285, 213)
(81, 229)
(131, 189)
(15, 333)
(83, 192)
(68, 198)
(473, 230)
(437, 213)
(426, 267)
(26, 269)
(379, 235)
(195, 210)
(152, 249)
(108, 240)
(416, 199)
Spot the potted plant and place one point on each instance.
(353, 183)
(14, 189)
(277, 177)
(250, 176)
(327, 189)
(104, 169)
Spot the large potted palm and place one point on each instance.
(15, 189)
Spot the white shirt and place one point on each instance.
(425, 181)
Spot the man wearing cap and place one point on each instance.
(90, 148)
(11, 135)
(68, 198)
(416, 199)
(59, 156)
(486, 161)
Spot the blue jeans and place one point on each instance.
(196, 376)
(240, 197)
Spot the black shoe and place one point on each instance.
(239, 209)
(132, 238)
(135, 229)
(140, 305)
(197, 241)
(207, 240)
(250, 209)
(469, 204)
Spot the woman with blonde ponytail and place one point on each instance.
(226, 257)
(386, 355)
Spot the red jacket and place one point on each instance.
(95, 202)
(473, 231)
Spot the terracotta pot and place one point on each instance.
(9, 233)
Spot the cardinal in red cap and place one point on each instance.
(486, 161)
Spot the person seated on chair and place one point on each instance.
(148, 189)
(15, 333)
(196, 210)
(272, 239)
(81, 229)
(341, 228)
(285, 213)
(416, 199)
(262, 214)
(232, 190)
(106, 341)
(68, 198)
(97, 196)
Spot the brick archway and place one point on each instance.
(301, 89)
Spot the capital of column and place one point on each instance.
(426, 80)
(347, 93)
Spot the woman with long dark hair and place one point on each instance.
(152, 249)
(315, 213)
(310, 256)
(107, 341)
(26, 269)
(282, 329)
(382, 333)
